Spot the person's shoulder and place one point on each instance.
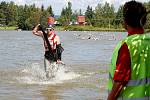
(57, 39)
(56, 36)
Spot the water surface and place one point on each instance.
(86, 56)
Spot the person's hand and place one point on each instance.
(59, 62)
(37, 31)
(37, 25)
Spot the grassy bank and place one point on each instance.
(8, 28)
(70, 28)
(59, 28)
(89, 28)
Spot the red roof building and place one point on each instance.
(81, 20)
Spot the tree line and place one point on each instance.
(27, 16)
(23, 16)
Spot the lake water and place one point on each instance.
(84, 76)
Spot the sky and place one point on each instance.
(57, 5)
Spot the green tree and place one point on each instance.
(5, 13)
(2, 13)
(98, 18)
(21, 17)
(43, 17)
(75, 14)
(80, 12)
(69, 11)
(12, 16)
(147, 5)
(104, 15)
(66, 14)
(50, 11)
(119, 18)
(42, 8)
(63, 18)
(33, 17)
(89, 14)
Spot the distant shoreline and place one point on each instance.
(91, 28)
(75, 28)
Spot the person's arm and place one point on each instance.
(58, 40)
(59, 49)
(122, 72)
(35, 31)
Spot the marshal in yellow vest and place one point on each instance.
(138, 87)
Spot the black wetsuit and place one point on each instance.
(57, 53)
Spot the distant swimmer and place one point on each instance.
(89, 37)
(52, 45)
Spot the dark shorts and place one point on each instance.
(49, 56)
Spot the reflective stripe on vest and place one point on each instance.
(138, 87)
(139, 82)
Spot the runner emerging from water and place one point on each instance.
(55, 44)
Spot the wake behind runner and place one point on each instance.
(53, 44)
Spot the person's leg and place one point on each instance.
(46, 67)
(50, 68)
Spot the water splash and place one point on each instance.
(35, 74)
